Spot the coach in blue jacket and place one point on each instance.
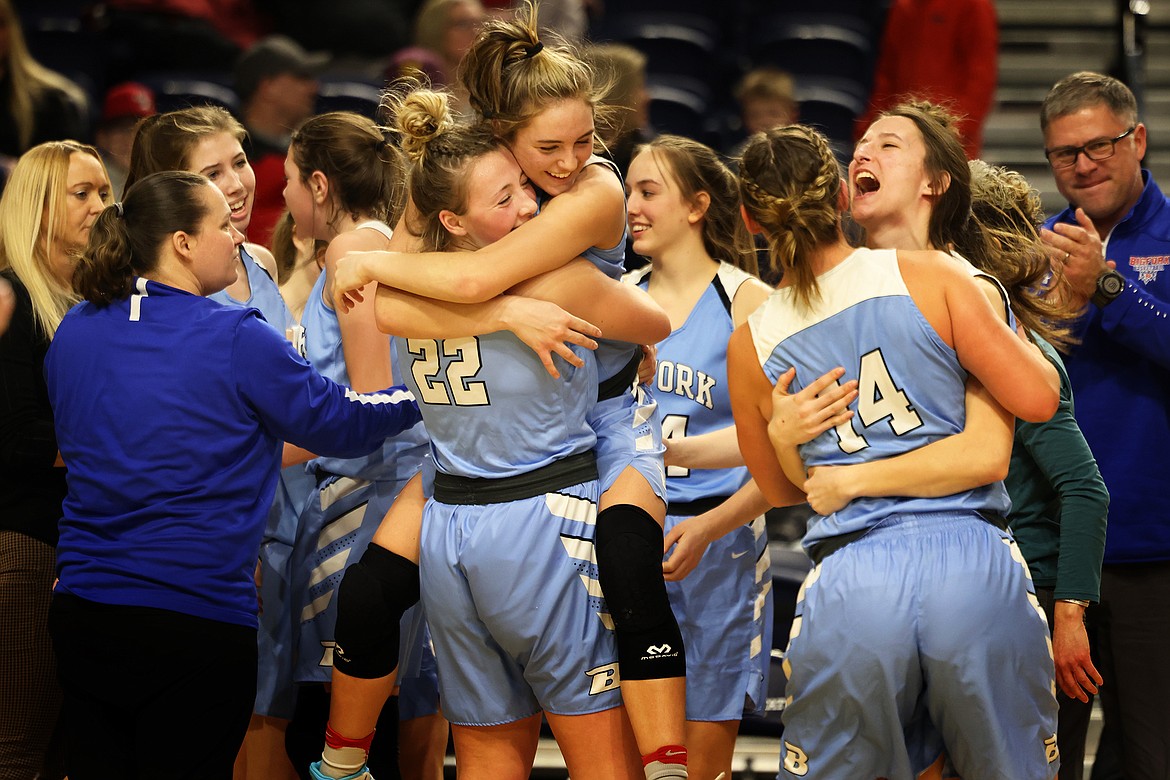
(1113, 245)
(170, 411)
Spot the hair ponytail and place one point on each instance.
(1002, 239)
(789, 182)
(127, 238)
(104, 271)
(365, 173)
(511, 75)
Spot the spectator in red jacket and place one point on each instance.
(944, 51)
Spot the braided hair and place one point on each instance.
(790, 183)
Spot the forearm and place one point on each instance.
(463, 277)
(1059, 450)
(296, 404)
(792, 464)
(623, 312)
(415, 317)
(942, 468)
(713, 450)
(1084, 510)
(743, 506)
(438, 275)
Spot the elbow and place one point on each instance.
(472, 288)
(994, 469)
(776, 495)
(1040, 407)
(660, 327)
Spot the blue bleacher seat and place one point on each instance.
(180, 89)
(360, 97)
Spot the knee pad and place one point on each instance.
(629, 567)
(372, 596)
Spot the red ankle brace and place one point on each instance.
(336, 740)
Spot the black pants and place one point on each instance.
(151, 693)
(1133, 637)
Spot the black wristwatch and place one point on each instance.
(1109, 286)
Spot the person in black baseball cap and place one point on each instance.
(276, 81)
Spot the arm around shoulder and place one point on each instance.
(1013, 370)
(591, 214)
(976, 456)
(622, 311)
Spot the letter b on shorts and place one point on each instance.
(603, 678)
(795, 761)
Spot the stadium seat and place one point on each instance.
(678, 104)
(359, 97)
(180, 89)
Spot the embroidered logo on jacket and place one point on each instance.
(1148, 268)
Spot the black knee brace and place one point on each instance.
(370, 601)
(629, 567)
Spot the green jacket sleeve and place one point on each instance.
(1062, 455)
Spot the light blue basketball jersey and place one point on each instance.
(612, 356)
(491, 408)
(611, 261)
(400, 457)
(724, 606)
(911, 383)
(691, 384)
(265, 295)
(275, 694)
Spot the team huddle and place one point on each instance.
(478, 500)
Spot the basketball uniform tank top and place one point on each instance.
(691, 382)
(399, 457)
(264, 295)
(911, 384)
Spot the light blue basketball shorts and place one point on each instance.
(724, 609)
(337, 525)
(629, 433)
(276, 693)
(922, 636)
(515, 610)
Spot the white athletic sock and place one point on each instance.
(656, 770)
(342, 762)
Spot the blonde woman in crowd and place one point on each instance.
(53, 197)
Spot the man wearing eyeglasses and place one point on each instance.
(1112, 246)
